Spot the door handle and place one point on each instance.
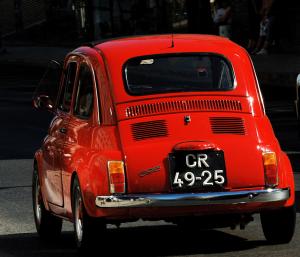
(63, 130)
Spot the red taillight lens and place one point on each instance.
(270, 166)
(116, 174)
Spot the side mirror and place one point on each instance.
(43, 102)
(45, 95)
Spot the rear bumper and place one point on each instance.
(193, 199)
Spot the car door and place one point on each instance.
(80, 129)
(81, 121)
(53, 145)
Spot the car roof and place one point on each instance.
(154, 38)
(168, 40)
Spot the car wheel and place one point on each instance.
(279, 226)
(47, 225)
(87, 230)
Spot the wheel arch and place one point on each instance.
(286, 167)
(82, 183)
(73, 177)
(38, 166)
(93, 179)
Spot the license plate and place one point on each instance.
(202, 170)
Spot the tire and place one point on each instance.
(88, 231)
(47, 225)
(279, 226)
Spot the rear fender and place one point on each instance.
(93, 180)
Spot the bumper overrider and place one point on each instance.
(193, 199)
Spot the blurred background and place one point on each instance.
(69, 22)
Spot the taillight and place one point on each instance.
(270, 167)
(116, 174)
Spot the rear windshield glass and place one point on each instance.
(178, 73)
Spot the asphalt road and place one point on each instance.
(21, 132)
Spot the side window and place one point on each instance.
(67, 90)
(85, 93)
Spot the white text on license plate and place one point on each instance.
(209, 178)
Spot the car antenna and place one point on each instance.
(172, 36)
(172, 44)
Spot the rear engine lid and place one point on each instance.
(230, 137)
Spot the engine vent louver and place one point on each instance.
(149, 129)
(183, 106)
(227, 125)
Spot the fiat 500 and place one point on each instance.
(169, 127)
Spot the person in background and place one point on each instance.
(222, 17)
(266, 32)
(254, 7)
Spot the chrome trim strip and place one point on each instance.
(193, 199)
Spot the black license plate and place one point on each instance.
(201, 170)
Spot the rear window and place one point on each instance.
(177, 73)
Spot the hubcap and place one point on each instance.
(78, 215)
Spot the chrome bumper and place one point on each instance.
(193, 199)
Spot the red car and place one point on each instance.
(169, 127)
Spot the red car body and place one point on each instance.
(121, 155)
